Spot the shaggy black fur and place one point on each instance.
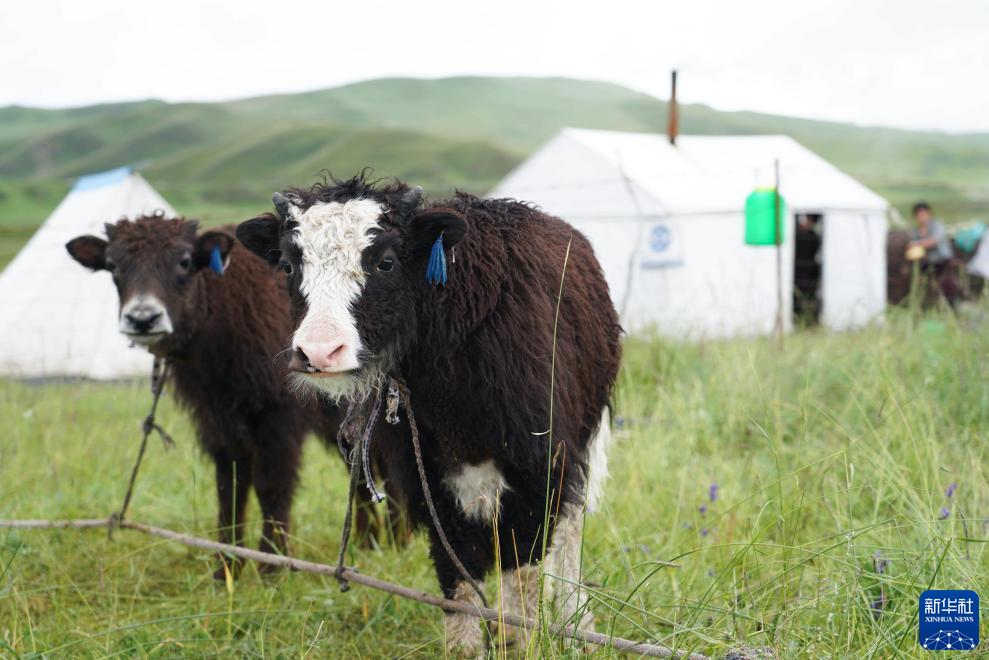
(227, 361)
(477, 353)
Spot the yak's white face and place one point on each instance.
(332, 237)
(357, 271)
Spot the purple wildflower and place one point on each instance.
(712, 492)
(880, 563)
(703, 509)
(950, 490)
(944, 513)
(704, 531)
(878, 605)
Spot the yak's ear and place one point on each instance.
(261, 235)
(212, 249)
(428, 224)
(90, 251)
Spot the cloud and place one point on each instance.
(908, 63)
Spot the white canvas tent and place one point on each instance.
(667, 223)
(60, 319)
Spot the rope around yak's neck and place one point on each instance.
(397, 395)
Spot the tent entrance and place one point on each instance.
(807, 269)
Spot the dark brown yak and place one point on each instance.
(509, 446)
(223, 336)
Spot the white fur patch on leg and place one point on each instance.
(464, 637)
(597, 463)
(563, 564)
(520, 596)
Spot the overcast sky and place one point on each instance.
(907, 63)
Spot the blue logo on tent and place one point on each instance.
(660, 238)
(949, 620)
(100, 179)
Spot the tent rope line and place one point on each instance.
(353, 575)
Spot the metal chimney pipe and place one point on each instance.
(673, 127)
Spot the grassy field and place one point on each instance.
(807, 496)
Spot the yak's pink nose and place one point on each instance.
(325, 355)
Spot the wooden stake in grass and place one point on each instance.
(777, 220)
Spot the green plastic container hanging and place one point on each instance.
(760, 217)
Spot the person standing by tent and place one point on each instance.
(807, 269)
(931, 236)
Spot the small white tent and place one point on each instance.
(667, 224)
(59, 319)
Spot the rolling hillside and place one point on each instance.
(219, 161)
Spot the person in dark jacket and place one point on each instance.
(807, 269)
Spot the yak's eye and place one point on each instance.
(386, 264)
(110, 265)
(286, 266)
(185, 263)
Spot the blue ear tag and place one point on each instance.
(436, 270)
(216, 261)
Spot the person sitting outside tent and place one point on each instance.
(931, 237)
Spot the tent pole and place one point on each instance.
(778, 329)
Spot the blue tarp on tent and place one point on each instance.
(100, 179)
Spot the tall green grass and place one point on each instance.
(831, 458)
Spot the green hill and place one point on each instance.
(220, 161)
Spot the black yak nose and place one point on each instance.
(143, 319)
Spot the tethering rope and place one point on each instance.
(399, 385)
(484, 613)
(397, 395)
(159, 372)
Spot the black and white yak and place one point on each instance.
(459, 299)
